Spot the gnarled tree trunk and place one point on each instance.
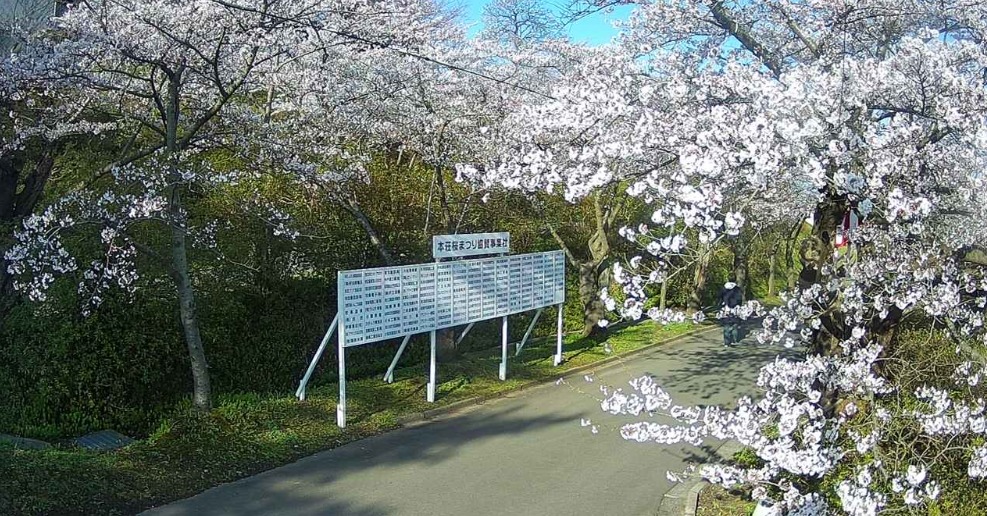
(589, 296)
(590, 271)
(816, 254)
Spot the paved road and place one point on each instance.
(522, 455)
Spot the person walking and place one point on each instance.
(730, 297)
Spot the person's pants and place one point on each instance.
(731, 332)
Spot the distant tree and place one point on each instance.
(520, 20)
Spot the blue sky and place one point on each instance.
(594, 30)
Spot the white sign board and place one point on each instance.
(449, 246)
(389, 302)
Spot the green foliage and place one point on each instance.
(747, 458)
(64, 375)
(924, 355)
(262, 340)
(716, 501)
(125, 367)
(720, 271)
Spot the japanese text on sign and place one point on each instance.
(388, 302)
(448, 246)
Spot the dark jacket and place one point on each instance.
(730, 297)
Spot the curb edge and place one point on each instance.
(690, 505)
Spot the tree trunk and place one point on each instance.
(201, 389)
(353, 206)
(699, 278)
(740, 266)
(10, 169)
(7, 295)
(264, 269)
(444, 201)
(34, 184)
(589, 295)
(817, 251)
(589, 272)
(771, 272)
(445, 340)
(590, 278)
(18, 200)
(793, 235)
(662, 296)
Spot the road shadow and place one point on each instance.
(711, 373)
(309, 486)
(701, 372)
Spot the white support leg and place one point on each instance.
(389, 375)
(300, 392)
(341, 406)
(503, 350)
(528, 332)
(430, 393)
(558, 338)
(463, 336)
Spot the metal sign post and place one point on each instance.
(527, 334)
(430, 394)
(503, 350)
(389, 375)
(300, 392)
(341, 406)
(558, 336)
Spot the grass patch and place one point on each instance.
(249, 433)
(716, 501)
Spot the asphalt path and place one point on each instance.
(526, 454)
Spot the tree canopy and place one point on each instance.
(703, 125)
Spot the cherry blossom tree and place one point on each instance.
(190, 79)
(723, 117)
(818, 108)
(420, 101)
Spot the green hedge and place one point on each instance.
(126, 366)
(62, 374)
